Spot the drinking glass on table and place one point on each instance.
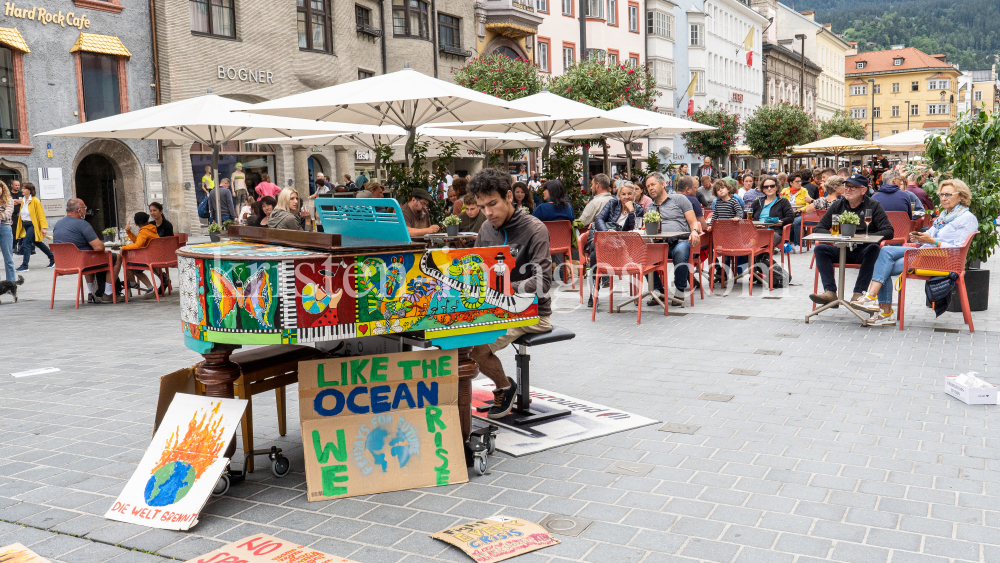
(835, 226)
(749, 212)
(868, 220)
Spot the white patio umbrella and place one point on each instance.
(406, 98)
(836, 145)
(559, 115)
(650, 123)
(210, 119)
(913, 140)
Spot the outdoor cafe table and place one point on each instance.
(655, 245)
(443, 238)
(842, 243)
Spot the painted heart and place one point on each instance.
(363, 329)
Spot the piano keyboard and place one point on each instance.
(332, 332)
(516, 303)
(286, 287)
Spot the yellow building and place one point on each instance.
(508, 27)
(900, 89)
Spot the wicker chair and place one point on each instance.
(940, 259)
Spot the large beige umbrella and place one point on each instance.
(836, 145)
(914, 140)
(406, 99)
(210, 120)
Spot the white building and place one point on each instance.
(822, 47)
(705, 43)
(614, 32)
(983, 86)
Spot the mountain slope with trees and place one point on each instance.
(966, 31)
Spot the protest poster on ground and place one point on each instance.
(265, 549)
(388, 422)
(17, 553)
(181, 465)
(497, 538)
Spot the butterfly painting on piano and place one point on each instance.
(242, 289)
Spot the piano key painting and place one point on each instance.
(238, 297)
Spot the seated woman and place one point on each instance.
(286, 214)
(726, 206)
(522, 196)
(555, 207)
(146, 233)
(949, 230)
(772, 206)
(619, 214)
(261, 211)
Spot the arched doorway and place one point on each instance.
(315, 166)
(95, 185)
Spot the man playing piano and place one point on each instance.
(528, 239)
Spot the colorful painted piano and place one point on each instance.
(362, 277)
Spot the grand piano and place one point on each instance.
(362, 277)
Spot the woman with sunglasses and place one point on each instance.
(772, 206)
(950, 229)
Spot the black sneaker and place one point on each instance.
(503, 401)
(590, 302)
(52, 263)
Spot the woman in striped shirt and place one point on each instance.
(726, 206)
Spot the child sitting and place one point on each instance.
(146, 233)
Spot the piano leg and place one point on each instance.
(218, 373)
(467, 371)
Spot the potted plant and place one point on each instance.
(451, 225)
(214, 232)
(849, 223)
(652, 220)
(228, 223)
(109, 234)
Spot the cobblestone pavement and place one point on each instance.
(839, 445)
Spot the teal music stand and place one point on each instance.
(363, 221)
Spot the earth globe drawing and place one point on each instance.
(399, 447)
(169, 483)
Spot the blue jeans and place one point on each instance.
(890, 263)
(29, 241)
(7, 249)
(796, 225)
(680, 253)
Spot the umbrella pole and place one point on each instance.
(628, 161)
(411, 136)
(215, 174)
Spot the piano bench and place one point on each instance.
(522, 413)
(263, 369)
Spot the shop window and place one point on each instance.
(9, 126)
(213, 17)
(543, 56)
(314, 25)
(101, 87)
(409, 18)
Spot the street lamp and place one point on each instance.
(907, 115)
(802, 70)
(871, 84)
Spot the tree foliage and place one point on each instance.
(844, 125)
(971, 153)
(716, 143)
(774, 128)
(500, 76)
(404, 179)
(564, 165)
(965, 31)
(605, 85)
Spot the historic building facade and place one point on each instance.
(253, 50)
(824, 48)
(64, 62)
(784, 76)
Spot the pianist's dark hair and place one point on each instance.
(489, 181)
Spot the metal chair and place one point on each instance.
(71, 260)
(940, 259)
(561, 244)
(622, 254)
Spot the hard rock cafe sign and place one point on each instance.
(45, 17)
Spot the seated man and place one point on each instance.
(528, 240)
(687, 190)
(471, 218)
(857, 201)
(890, 197)
(74, 230)
(146, 233)
(416, 214)
(676, 216)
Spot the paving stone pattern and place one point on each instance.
(842, 448)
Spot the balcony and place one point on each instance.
(369, 30)
(512, 18)
(455, 51)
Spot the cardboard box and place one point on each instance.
(970, 395)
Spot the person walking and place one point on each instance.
(31, 226)
(7, 232)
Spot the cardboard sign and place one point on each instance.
(182, 464)
(265, 549)
(17, 553)
(372, 424)
(497, 538)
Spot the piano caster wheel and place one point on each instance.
(221, 486)
(481, 463)
(490, 441)
(280, 466)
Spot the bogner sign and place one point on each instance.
(246, 74)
